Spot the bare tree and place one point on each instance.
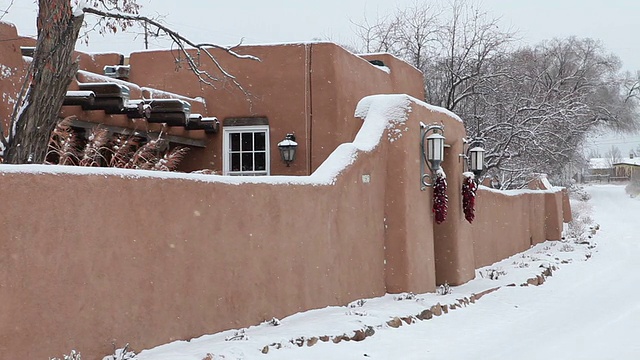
(53, 68)
(534, 105)
(593, 154)
(470, 43)
(613, 155)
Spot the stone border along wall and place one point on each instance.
(396, 322)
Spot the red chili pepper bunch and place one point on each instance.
(440, 198)
(469, 188)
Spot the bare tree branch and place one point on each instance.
(4, 12)
(182, 43)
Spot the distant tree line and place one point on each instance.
(534, 105)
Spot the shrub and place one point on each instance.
(99, 148)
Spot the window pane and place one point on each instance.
(247, 161)
(261, 161)
(235, 162)
(260, 141)
(235, 141)
(247, 142)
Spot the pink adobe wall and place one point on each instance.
(307, 89)
(180, 258)
(507, 223)
(338, 81)
(409, 239)
(95, 63)
(277, 86)
(453, 243)
(147, 261)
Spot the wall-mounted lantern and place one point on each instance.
(476, 160)
(432, 152)
(473, 156)
(288, 148)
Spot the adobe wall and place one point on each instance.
(95, 63)
(307, 89)
(409, 243)
(509, 222)
(180, 258)
(338, 81)
(276, 85)
(90, 260)
(453, 241)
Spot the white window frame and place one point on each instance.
(226, 149)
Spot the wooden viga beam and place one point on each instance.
(173, 112)
(110, 97)
(79, 98)
(210, 125)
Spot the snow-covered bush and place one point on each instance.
(493, 274)
(578, 228)
(444, 289)
(566, 248)
(405, 296)
(578, 192)
(633, 188)
(357, 303)
(237, 335)
(121, 354)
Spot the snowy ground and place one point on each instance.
(588, 309)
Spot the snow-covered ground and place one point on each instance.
(588, 309)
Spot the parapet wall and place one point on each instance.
(87, 260)
(509, 222)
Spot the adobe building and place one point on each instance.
(125, 256)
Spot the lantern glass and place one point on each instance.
(288, 148)
(477, 159)
(435, 147)
(288, 154)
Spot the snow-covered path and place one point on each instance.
(587, 310)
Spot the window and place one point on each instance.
(246, 150)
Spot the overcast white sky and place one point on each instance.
(614, 22)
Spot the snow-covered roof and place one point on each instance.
(635, 161)
(607, 163)
(599, 163)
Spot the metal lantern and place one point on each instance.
(288, 148)
(476, 157)
(432, 152)
(435, 150)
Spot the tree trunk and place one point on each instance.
(51, 72)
